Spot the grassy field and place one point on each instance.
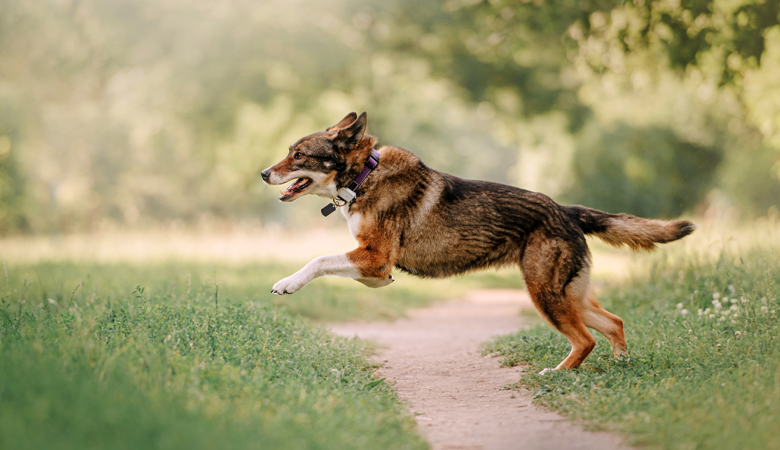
(195, 355)
(704, 372)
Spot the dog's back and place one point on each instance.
(446, 225)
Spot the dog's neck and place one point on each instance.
(347, 194)
(356, 161)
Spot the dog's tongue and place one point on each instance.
(290, 191)
(295, 185)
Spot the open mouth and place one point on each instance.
(300, 185)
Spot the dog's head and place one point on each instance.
(322, 162)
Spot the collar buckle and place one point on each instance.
(347, 194)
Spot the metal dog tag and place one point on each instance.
(328, 209)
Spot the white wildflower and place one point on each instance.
(734, 307)
(744, 300)
(684, 312)
(712, 316)
(763, 300)
(715, 295)
(725, 312)
(679, 306)
(721, 319)
(707, 311)
(734, 300)
(733, 322)
(737, 333)
(699, 312)
(764, 309)
(731, 288)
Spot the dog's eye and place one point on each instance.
(298, 155)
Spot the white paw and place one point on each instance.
(546, 371)
(289, 285)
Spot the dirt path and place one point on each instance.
(434, 361)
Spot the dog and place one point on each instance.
(430, 224)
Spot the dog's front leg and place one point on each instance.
(366, 266)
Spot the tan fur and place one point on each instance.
(638, 233)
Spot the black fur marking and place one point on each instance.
(684, 228)
(547, 301)
(590, 220)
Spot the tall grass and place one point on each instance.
(704, 371)
(196, 355)
(163, 357)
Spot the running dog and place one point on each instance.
(430, 224)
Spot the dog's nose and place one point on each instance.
(265, 174)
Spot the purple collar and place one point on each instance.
(347, 194)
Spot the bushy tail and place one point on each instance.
(624, 229)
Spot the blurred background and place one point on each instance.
(158, 114)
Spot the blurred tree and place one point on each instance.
(743, 177)
(12, 215)
(154, 110)
(724, 37)
(492, 48)
(719, 50)
(646, 172)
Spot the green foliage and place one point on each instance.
(12, 215)
(724, 36)
(750, 179)
(107, 363)
(324, 299)
(142, 111)
(646, 172)
(703, 371)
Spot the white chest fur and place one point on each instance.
(353, 221)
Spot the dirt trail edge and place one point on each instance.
(433, 360)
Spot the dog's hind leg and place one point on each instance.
(582, 343)
(564, 316)
(606, 323)
(556, 272)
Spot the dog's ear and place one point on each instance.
(348, 119)
(348, 137)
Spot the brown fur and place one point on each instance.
(431, 224)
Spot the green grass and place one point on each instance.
(324, 299)
(184, 355)
(164, 357)
(695, 380)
